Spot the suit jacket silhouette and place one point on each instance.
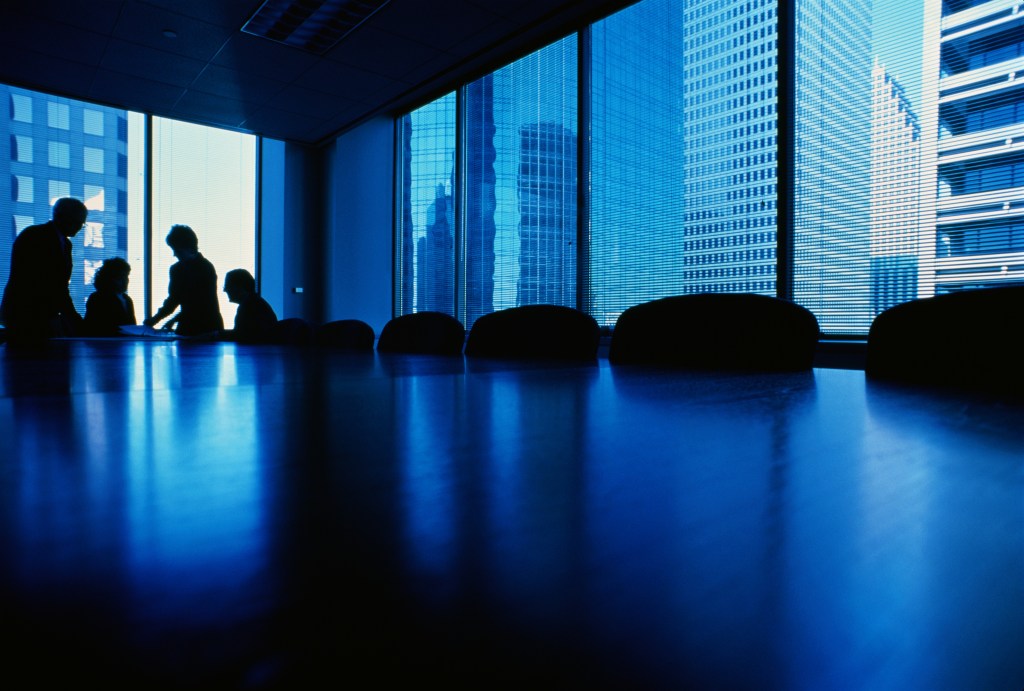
(37, 301)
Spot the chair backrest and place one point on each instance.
(730, 331)
(427, 333)
(967, 339)
(345, 334)
(535, 331)
(293, 331)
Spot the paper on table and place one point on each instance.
(142, 330)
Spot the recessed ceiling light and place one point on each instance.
(314, 26)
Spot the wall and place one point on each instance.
(360, 179)
(291, 230)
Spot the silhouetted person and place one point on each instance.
(37, 303)
(109, 307)
(255, 319)
(193, 288)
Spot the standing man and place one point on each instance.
(37, 302)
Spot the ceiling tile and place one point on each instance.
(438, 24)
(134, 93)
(317, 104)
(140, 61)
(351, 82)
(100, 17)
(145, 24)
(62, 40)
(374, 51)
(264, 58)
(229, 14)
(238, 85)
(209, 109)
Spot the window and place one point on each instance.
(58, 189)
(58, 115)
(519, 207)
(21, 149)
(92, 160)
(426, 258)
(204, 177)
(24, 189)
(59, 154)
(905, 173)
(21, 108)
(92, 122)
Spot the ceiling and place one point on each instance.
(116, 53)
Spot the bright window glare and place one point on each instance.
(204, 178)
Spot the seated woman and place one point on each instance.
(255, 319)
(109, 307)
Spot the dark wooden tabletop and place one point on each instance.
(181, 515)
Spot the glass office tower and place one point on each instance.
(974, 148)
(56, 147)
(895, 193)
(831, 242)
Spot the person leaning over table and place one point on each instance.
(37, 301)
(193, 288)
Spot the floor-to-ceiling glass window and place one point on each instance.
(906, 166)
(425, 260)
(52, 147)
(204, 178)
(520, 183)
(682, 125)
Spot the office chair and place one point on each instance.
(535, 331)
(729, 331)
(964, 339)
(425, 333)
(345, 334)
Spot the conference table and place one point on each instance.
(214, 515)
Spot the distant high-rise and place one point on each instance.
(56, 148)
(832, 172)
(973, 144)
(729, 126)
(434, 289)
(547, 211)
(895, 193)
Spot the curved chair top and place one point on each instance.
(535, 331)
(733, 331)
(345, 334)
(968, 338)
(427, 333)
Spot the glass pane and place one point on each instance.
(521, 141)
(204, 178)
(50, 160)
(910, 180)
(426, 236)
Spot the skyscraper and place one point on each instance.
(547, 215)
(56, 147)
(895, 193)
(729, 130)
(973, 144)
(832, 174)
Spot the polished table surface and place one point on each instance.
(186, 515)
